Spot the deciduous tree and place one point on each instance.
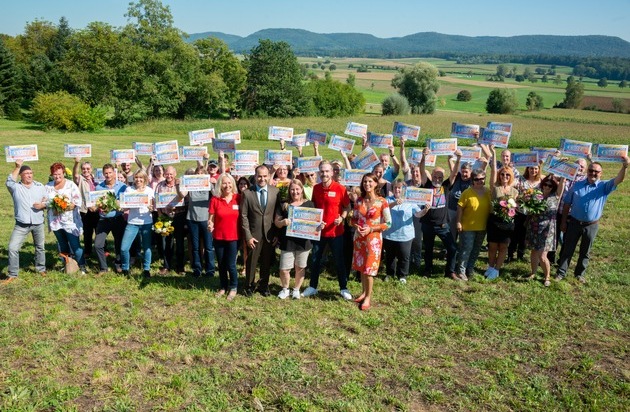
(501, 101)
(573, 95)
(419, 85)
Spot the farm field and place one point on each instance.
(88, 343)
(376, 84)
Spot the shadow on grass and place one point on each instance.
(179, 282)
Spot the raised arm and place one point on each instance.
(493, 164)
(76, 171)
(403, 157)
(395, 161)
(16, 171)
(422, 166)
(622, 172)
(455, 169)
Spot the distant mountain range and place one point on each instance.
(307, 43)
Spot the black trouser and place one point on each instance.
(90, 222)
(517, 241)
(397, 251)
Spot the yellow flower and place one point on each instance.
(158, 225)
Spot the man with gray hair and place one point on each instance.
(29, 202)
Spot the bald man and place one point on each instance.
(435, 222)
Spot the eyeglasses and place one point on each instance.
(547, 185)
(479, 179)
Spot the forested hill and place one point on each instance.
(304, 42)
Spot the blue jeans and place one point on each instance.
(70, 245)
(469, 247)
(336, 246)
(197, 230)
(226, 251)
(429, 232)
(131, 231)
(20, 231)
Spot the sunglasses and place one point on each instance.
(505, 174)
(479, 179)
(547, 185)
(594, 171)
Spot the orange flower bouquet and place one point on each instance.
(60, 203)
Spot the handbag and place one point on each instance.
(72, 266)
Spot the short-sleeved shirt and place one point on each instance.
(140, 215)
(390, 174)
(402, 229)
(459, 185)
(476, 209)
(198, 204)
(333, 200)
(587, 200)
(438, 214)
(118, 188)
(226, 217)
(23, 199)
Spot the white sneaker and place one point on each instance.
(284, 293)
(403, 281)
(345, 293)
(494, 274)
(296, 293)
(309, 291)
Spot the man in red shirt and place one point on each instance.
(333, 199)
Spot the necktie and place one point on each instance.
(263, 199)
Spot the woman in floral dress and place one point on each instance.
(370, 218)
(541, 228)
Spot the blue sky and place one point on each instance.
(391, 18)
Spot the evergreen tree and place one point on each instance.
(8, 76)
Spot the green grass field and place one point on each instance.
(87, 343)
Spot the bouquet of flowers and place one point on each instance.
(504, 208)
(59, 203)
(107, 203)
(164, 226)
(283, 191)
(532, 202)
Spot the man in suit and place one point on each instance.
(258, 205)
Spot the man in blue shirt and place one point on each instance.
(29, 202)
(583, 207)
(111, 221)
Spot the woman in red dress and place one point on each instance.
(370, 218)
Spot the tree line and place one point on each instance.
(146, 69)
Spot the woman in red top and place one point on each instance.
(223, 223)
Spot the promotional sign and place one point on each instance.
(498, 138)
(122, 156)
(503, 127)
(415, 156)
(143, 149)
(312, 136)
(366, 159)
(441, 147)
(246, 157)
(561, 167)
(166, 146)
(223, 145)
(200, 137)
(470, 153)
(407, 131)
(279, 157)
(352, 177)
(280, 133)
(356, 129)
(77, 150)
(308, 164)
(382, 141)
(343, 144)
(543, 152)
(527, 159)
(27, 152)
(575, 148)
(195, 183)
(609, 152)
(193, 152)
(243, 169)
(299, 140)
(233, 135)
(99, 177)
(166, 158)
(464, 131)
(134, 200)
(168, 199)
(95, 195)
(417, 195)
(305, 222)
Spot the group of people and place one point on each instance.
(359, 224)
